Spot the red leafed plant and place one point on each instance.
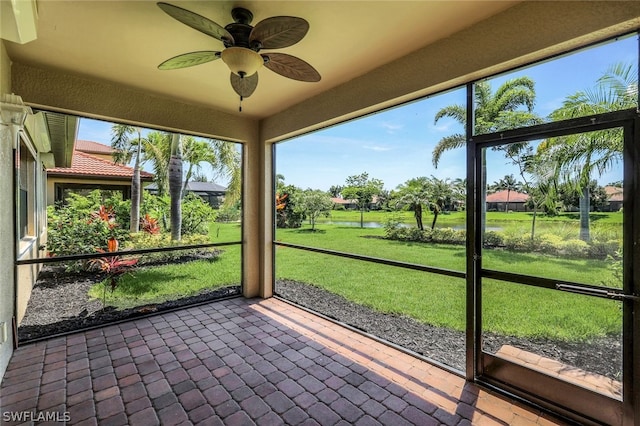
(149, 224)
(113, 266)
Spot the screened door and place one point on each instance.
(554, 288)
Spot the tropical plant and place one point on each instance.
(362, 189)
(196, 215)
(112, 266)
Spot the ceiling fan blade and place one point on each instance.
(244, 86)
(291, 67)
(197, 22)
(189, 59)
(279, 31)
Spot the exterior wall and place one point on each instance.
(52, 180)
(7, 236)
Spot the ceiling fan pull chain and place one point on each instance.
(240, 106)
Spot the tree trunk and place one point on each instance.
(362, 217)
(506, 207)
(175, 187)
(585, 207)
(435, 217)
(533, 221)
(134, 226)
(418, 216)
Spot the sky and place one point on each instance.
(396, 145)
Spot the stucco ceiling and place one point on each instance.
(124, 41)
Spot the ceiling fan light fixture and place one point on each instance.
(242, 61)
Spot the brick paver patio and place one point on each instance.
(239, 362)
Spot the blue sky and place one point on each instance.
(396, 145)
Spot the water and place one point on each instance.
(427, 225)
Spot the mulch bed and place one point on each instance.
(601, 356)
(60, 304)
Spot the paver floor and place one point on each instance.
(239, 362)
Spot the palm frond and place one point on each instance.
(447, 143)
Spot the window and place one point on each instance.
(26, 182)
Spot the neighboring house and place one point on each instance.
(92, 168)
(210, 192)
(353, 204)
(498, 201)
(615, 198)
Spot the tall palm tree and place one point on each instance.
(493, 112)
(175, 186)
(578, 156)
(126, 148)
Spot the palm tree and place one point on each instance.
(578, 156)
(126, 148)
(175, 186)
(507, 183)
(157, 152)
(414, 194)
(493, 112)
(440, 193)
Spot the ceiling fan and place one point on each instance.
(242, 44)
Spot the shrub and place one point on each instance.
(574, 248)
(448, 236)
(228, 214)
(549, 243)
(603, 249)
(196, 215)
(149, 241)
(493, 239)
(83, 225)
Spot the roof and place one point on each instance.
(501, 197)
(87, 165)
(614, 193)
(196, 187)
(93, 147)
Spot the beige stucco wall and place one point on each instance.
(6, 219)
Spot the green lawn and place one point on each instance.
(509, 308)
(169, 282)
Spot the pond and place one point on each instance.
(368, 224)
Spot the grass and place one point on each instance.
(439, 300)
(158, 284)
(431, 298)
(459, 218)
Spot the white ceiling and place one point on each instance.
(124, 41)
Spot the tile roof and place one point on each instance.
(501, 197)
(614, 193)
(88, 165)
(93, 147)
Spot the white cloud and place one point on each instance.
(377, 148)
(390, 127)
